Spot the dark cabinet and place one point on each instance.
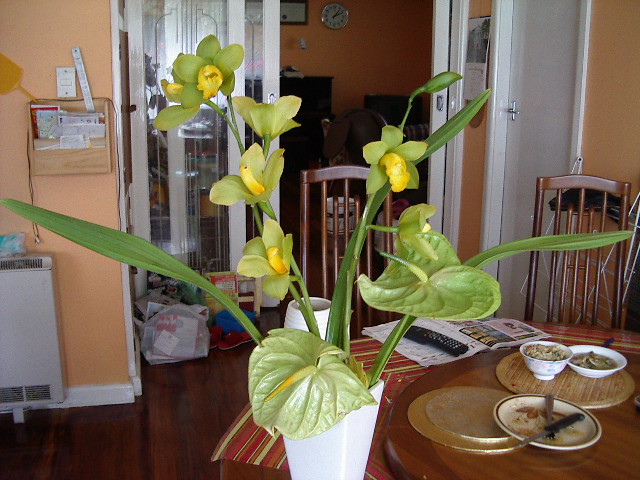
(303, 145)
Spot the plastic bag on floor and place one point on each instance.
(176, 333)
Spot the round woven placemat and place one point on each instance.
(586, 392)
(461, 418)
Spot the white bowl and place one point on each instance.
(545, 369)
(620, 360)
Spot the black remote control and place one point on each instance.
(435, 339)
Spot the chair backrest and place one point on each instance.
(326, 225)
(583, 286)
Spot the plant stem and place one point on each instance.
(231, 121)
(257, 217)
(415, 269)
(305, 308)
(383, 228)
(373, 374)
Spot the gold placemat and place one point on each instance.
(462, 418)
(586, 392)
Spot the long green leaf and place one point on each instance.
(128, 249)
(579, 241)
(373, 374)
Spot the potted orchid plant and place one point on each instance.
(299, 384)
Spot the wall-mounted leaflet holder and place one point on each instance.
(65, 139)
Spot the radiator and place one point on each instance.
(31, 370)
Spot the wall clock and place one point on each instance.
(335, 15)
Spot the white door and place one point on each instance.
(445, 165)
(537, 71)
(173, 172)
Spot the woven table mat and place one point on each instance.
(586, 392)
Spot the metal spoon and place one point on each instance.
(548, 401)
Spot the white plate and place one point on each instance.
(525, 415)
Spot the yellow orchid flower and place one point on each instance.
(391, 159)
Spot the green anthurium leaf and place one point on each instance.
(578, 241)
(254, 266)
(414, 180)
(173, 116)
(452, 293)
(228, 84)
(188, 66)
(128, 249)
(272, 234)
(228, 190)
(376, 179)
(208, 48)
(439, 82)
(411, 150)
(300, 385)
(373, 152)
(191, 96)
(392, 136)
(273, 170)
(276, 286)
(229, 58)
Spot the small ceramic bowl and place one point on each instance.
(545, 369)
(620, 360)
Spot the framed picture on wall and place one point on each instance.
(475, 75)
(293, 12)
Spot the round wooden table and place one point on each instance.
(413, 456)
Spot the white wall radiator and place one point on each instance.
(31, 367)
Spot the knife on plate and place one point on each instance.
(554, 427)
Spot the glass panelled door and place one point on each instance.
(183, 163)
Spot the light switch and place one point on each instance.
(66, 80)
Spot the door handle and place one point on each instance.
(439, 102)
(513, 110)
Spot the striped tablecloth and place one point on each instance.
(245, 442)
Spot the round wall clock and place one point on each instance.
(335, 15)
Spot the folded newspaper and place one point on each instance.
(479, 335)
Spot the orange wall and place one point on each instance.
(611, 145)
(38, 35)
(473, 166)
(385, 48)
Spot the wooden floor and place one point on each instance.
(168, 433)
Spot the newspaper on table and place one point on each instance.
(479, 335)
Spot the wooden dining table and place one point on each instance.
(399, 452)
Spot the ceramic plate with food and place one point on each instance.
(525, 415)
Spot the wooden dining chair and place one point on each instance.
(331, 203)
(584, 286)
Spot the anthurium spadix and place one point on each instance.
(269, 255)
(435, 288)
(197, 78)
(257, 180)
(393, 160)
(269, 120)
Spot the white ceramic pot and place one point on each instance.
(340, 453)
(294, 319)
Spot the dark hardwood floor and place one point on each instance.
(168, 433)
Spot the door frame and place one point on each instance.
(496, 145)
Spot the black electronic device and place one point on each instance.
(435, 339)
